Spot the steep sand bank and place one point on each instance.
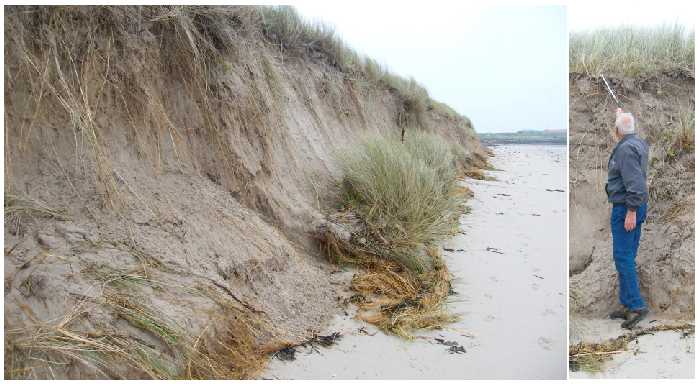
(662, 105)
(164, 166)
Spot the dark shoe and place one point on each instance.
(634, 317)
(619, 314)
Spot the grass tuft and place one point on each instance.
(128, 308)
(401, 200)
(404, 193)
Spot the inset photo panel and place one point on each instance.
(632, 191)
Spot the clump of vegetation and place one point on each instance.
(284, 26)
(672, 139)
(632, 51)
(401, 200)
(399, 301)
(681, 137)
(673, 134)
(405, 193)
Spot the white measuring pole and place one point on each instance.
(611, 91)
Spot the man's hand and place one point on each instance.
(630, 220)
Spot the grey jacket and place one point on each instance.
(627, 172)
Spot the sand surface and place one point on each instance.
(509, 269)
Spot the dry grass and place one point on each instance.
(400, 302)
(674, 131)
(389, 295)
(39, 349)
(671, 137)
(591, 357)
(27, 206)
(632, 51)
(681, 139)
(20, 208)
(225, 349)
(475, 173)
(283, 26)
(128, 308)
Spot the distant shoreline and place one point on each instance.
(552, 137)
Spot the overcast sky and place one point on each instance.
(584, 15)
(504, 67)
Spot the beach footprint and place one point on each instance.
(544, 343)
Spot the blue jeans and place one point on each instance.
(625, 245)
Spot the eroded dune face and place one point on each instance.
(666, 256)
(162, 204)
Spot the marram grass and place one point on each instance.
(405, 193)
(632, 51)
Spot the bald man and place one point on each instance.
(627, 191)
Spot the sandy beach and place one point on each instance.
(507, 264)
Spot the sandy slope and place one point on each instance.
(512, 298)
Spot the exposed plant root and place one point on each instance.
(391, 296)
(475, 173)
(398, 305)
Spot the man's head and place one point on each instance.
(624, 123)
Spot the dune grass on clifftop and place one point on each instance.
(295, 36)
(632, 51)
